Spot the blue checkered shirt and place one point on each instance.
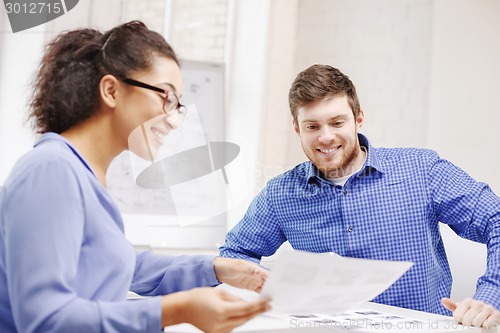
(389, 210)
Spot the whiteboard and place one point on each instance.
(204, 87)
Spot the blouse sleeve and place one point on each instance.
(158, 274)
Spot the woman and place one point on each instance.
(65, 265)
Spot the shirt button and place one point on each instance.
(345, 192)
(349, 229)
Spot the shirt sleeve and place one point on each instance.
(258, 234)
(472, 210)
(42, 230)
(158, 274)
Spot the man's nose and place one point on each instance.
(326, 135)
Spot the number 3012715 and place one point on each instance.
(33, 8)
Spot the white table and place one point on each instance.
(414, 321)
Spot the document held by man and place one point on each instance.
(304, 282)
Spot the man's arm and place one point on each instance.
(257, 234)
(472, 210)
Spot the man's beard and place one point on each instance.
(340, 168)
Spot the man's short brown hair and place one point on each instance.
(320, 82)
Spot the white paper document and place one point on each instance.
(305, 283)
(370, 320)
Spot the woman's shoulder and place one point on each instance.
(52, 158)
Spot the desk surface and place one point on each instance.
(391, 319)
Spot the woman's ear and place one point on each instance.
(108, 89)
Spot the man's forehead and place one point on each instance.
(323, 110)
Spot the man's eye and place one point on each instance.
(311, 127)
(338, 123)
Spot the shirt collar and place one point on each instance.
(372, 158)
(372, 161)
(50, 136)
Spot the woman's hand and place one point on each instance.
(212, 310)
(240, 273)
(470, 312)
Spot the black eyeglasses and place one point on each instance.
(171, 103)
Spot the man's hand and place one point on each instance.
(470, 312)
(240, 273)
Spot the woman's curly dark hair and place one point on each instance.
(66, 86)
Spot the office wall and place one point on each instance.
(464, 113)
(16, 68)
(197, 29)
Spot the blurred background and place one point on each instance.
(427, 74)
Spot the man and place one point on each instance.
(359, 201)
